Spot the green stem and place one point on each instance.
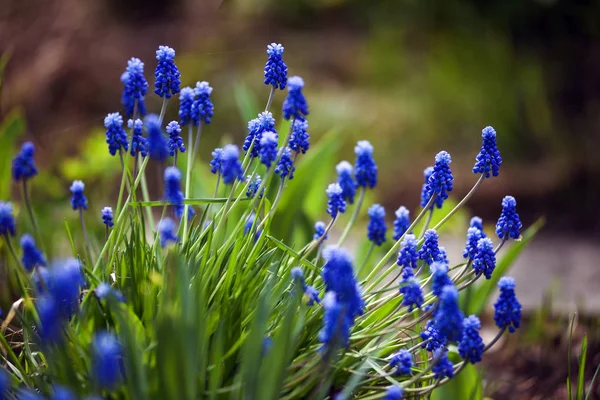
(427, 222)
(270, 99)
(85, 235)
(163, 110)
(188, 176)
(363, 190)
(369, 253)
(273, 206)
(29, 207)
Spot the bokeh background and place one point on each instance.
(413, 77)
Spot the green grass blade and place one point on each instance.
(581, 375)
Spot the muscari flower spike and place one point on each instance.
(268, 148)
(336, 203)
(107, 217)
(275, 69)
(346, 180)
(115, 134)
(134, 88)
(320, 228)
(23, 165)
(186, 100)
(425, 196)
(441, 178)
(430, 251)
(157, 144)
(63, 393)
(309, 291)
(471, 346)
(477, 222)
(107, 360)
(248, 227)
(78, 200)
(167, 74)
(509, 224)
(338, 276)
(336, 325)
(488, 160)
(295, 105)
(63, 282)
(393, 393)
(507, 308)
(299, 137)
(448, 317)
(7, 220)
(365, 169)
(443, 368)
(139, 144)
(485, 258)
(202, 108)
(254, 185)
(440, 278)
(167, 231)
(412, 298)
(473, 236)
(231, 167)
(173, 192)
(32, 256)
(376, 228)
(104, 291)
(50, 322)
(285, 166)
(4, 382)
(403, 362)
(256, 127)
(175, 142)
(432, 339)
(402, 222)
(408, 256)
(215, 164)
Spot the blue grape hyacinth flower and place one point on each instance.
(23, 165)
(336, 325)
(507, 308)
(488, 160)
(402, 222)
(107, 217)
(254, 185)
(338, 276)
(320, 229)
(215, 164)
(104, 291)
(440, 278)
(432, 339)
(441, 179)
(448, 317)
(403, 362)
(167, 74)
(50, 326)
(63, 393)
(443, 368)
(268, 148)
(285, 166)
(295, 105)
(7, 219)
(408, 256)
(471, 345)
(477, 222)
(256, 127)
(473, 236)
(139, 144)
(4, 382)
(202, 108)
(430, 251)
(186, 100)
(275, 69)
(173, 192)
(64, 281)
(412, 293)
(107, 360)
(78, 200)
(135, 87)
(484, 261)
(115, 134)
(509, 224)
(346, 180)
(365, 169)
(393, 393)
(299, 137)
(376, 228)
(157, 143)
(167, 232)
(231, 167)
(32, 256)
(175, 141)
(336, 203)
(425, 195)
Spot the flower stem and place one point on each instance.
(163, 110)
(427, 222)
(188, 177)
(85, 235)
(197, 142)
(270, 99)
(361, 198)
(31, 214)
(273, 206)
(364, 263)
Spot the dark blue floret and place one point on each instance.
(336, 203)
(23, 165)
(509, 225)
(432, 340)
(268, 148)
(115, 134)
(425, 195)
(448, 317)
(295, 105)
(507, 308)
(320, 230)
(430, 251)
(412, 293)
(338, 276)
(175, 141)
(336, 323)
(7, 220)
(167, 231)
(134, 88)
(32, 256)
(248, 227)
(139, 144)
(63, 282)
(107, 217)
(299, 137)
(167, 74)
(263, 123)
(173, 192)
(408, 256)
(440, 278)
(443, 368)
(157, 143)
(202, 108)
(313, 295)
(215, 164)
(365, 169)
(104, 291)
(63, 393)
(477, 222)
(78, 201)
(488, 160)
(441, 179)
(107, 360)
(346, 181)
(376, 228)
(275, 69)
(231, 167)
(471, 346)
(485, 258)
(50, 321)
(402, 222)
(403, 362)
(4, 382)
(254, 185)
(473, 236)
(285, 166)
(393, 393)
(186, 100)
